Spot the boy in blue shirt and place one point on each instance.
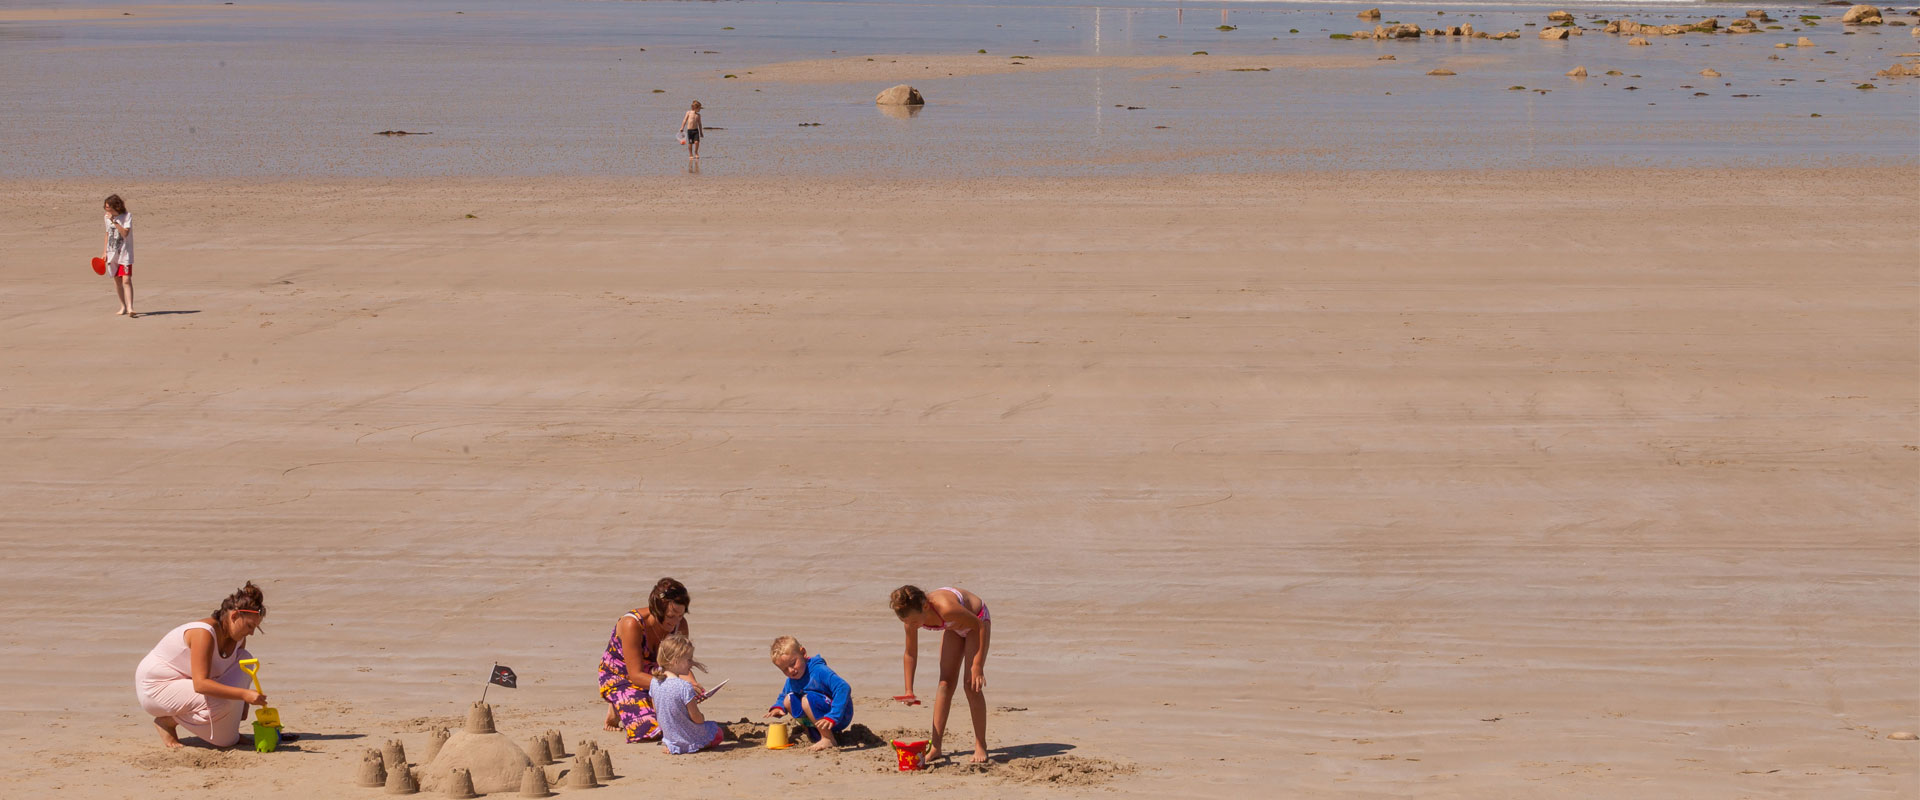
(813, 693)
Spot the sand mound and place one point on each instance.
(1049, 770)
(195, 758)
(494, 762)
(1062, 770)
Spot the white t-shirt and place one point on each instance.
(113, 238)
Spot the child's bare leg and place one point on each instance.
(613, 718)
(120, 293)
(130, 311)
(976, 703)
(952, 652)
(168, 734)
(826, 736)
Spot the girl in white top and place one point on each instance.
(192, 680)
(117, 251)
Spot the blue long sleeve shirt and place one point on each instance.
(819, 679)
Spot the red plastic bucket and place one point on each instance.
(912, 755)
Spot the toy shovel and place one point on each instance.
(266, 715)
(266, 721)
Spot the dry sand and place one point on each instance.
(1583, 484)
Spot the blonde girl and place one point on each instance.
(676, 700)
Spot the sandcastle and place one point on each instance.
(537, 751)
(373, 770)
(556, 747)
(534, 783)
(436, 737)
(401, 781)
(602, 765)
(580, 775)
(493, 763)
(459, 784)
(395, 755)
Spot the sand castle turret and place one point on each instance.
(492, 761)
(537, 751)
(460, 785)
(602, 765)
(395, 755)
(556, 746)
(373, 770)
(401, 781)
(436, 738)
(534, 783)
(480, 718)
(580, 776)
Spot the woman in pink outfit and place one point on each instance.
(192, 678)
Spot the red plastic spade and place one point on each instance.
(99, 266)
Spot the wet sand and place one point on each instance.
(1449, 484)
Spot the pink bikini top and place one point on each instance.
(982, 615)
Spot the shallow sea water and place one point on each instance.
(565, 87)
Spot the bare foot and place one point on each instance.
(120, 313)
(613, 719)
(979, 756)
(819, 746)
(168, 735)
(933, 754)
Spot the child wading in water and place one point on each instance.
(676, 700)
(690, 129)
(117, 251)
(967, 627)
(813, 694)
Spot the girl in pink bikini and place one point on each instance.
(966, 628)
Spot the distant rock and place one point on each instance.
(1909, 70)
(1442, 72)
(1804, 42)
(1742, 26)
(1577, 72)
(902, 95)
(1709, 73)
(1371, 13)
(1637, 42)
(1554, 34)
(1861, 15)
(1757, 14)
(403, 133)
(1560, 16)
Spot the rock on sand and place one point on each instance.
(1371, 13)
(902, 95)
(1441, 72)
(1861, 15)
(1577, 72)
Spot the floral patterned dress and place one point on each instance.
(631, 704)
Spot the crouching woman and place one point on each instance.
(192, 678)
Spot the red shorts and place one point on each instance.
(123, 270)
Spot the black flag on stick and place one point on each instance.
(502, 676)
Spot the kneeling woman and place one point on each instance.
(192, 678)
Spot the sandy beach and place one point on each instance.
(1591, 483)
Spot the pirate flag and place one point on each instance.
(503, 676)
